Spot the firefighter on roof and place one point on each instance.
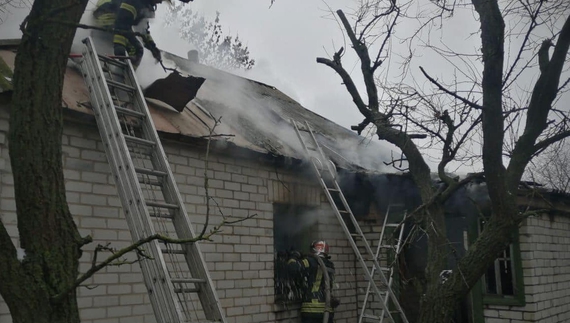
(123, 15)
(318, 302)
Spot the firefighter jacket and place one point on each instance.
(314, 293)
(123, 15)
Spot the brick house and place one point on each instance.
(257, 169)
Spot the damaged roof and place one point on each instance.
(261, 115)
(253, 115)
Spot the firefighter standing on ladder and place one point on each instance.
(123, 15)
(318, 303)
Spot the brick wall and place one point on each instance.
(545, 254)
(240, 259)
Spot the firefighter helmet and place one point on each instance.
(320, 247)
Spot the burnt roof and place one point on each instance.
(256, 115)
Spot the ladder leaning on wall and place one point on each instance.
(391, 241)
(176, 276)
(326, 174)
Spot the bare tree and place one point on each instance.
(41, 288)
(501, 98)
(215, 49)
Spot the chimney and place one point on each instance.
(193, 56)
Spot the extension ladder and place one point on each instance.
(326, 174)
(384, 243)
(175, 274)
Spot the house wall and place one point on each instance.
(545, 254)
(240, 258)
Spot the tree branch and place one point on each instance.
(543, 95)
(365, 63)
(533, 25)
(541, 145)
(106, 29)
(136, 247)
(447, 150)
(347, 80)
(453, 94)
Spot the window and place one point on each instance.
(294, 227)
(502, 283)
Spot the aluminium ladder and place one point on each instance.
(326, 174)
(176, 277)
(384, 243)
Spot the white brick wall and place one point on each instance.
(545, 254)
(240, 258)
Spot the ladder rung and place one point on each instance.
(160, 215)
(130, 112)
(186, 290)
(111, 60)
(332, 190)
(370, 316)
(187, 280)
(392, 225)
(173, 251)
(162, 205)
(151, 172)
(148, 181)
(121, 86)
(387, 246)
(137, 140)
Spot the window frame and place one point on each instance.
(480, 288)
(280, 298)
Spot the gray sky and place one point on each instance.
(285, 41)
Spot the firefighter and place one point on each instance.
(123, 15)
(318, 302)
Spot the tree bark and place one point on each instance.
(440, 299)
(46, 228)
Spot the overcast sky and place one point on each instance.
(285, 41)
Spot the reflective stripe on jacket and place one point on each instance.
(106, 12)
(314, 295)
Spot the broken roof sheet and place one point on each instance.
(253, 115)
(262, 115)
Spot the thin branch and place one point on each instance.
(106, 29)
(524, 43)
(206, 179)
(541, 145)
(453, 94)
(136, 247)
(347, 80)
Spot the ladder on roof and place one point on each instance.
(326, 174)
(176, 276)
(391, 229)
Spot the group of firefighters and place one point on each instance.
(315, 269)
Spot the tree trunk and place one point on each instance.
(437, 307)
(46, 228)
